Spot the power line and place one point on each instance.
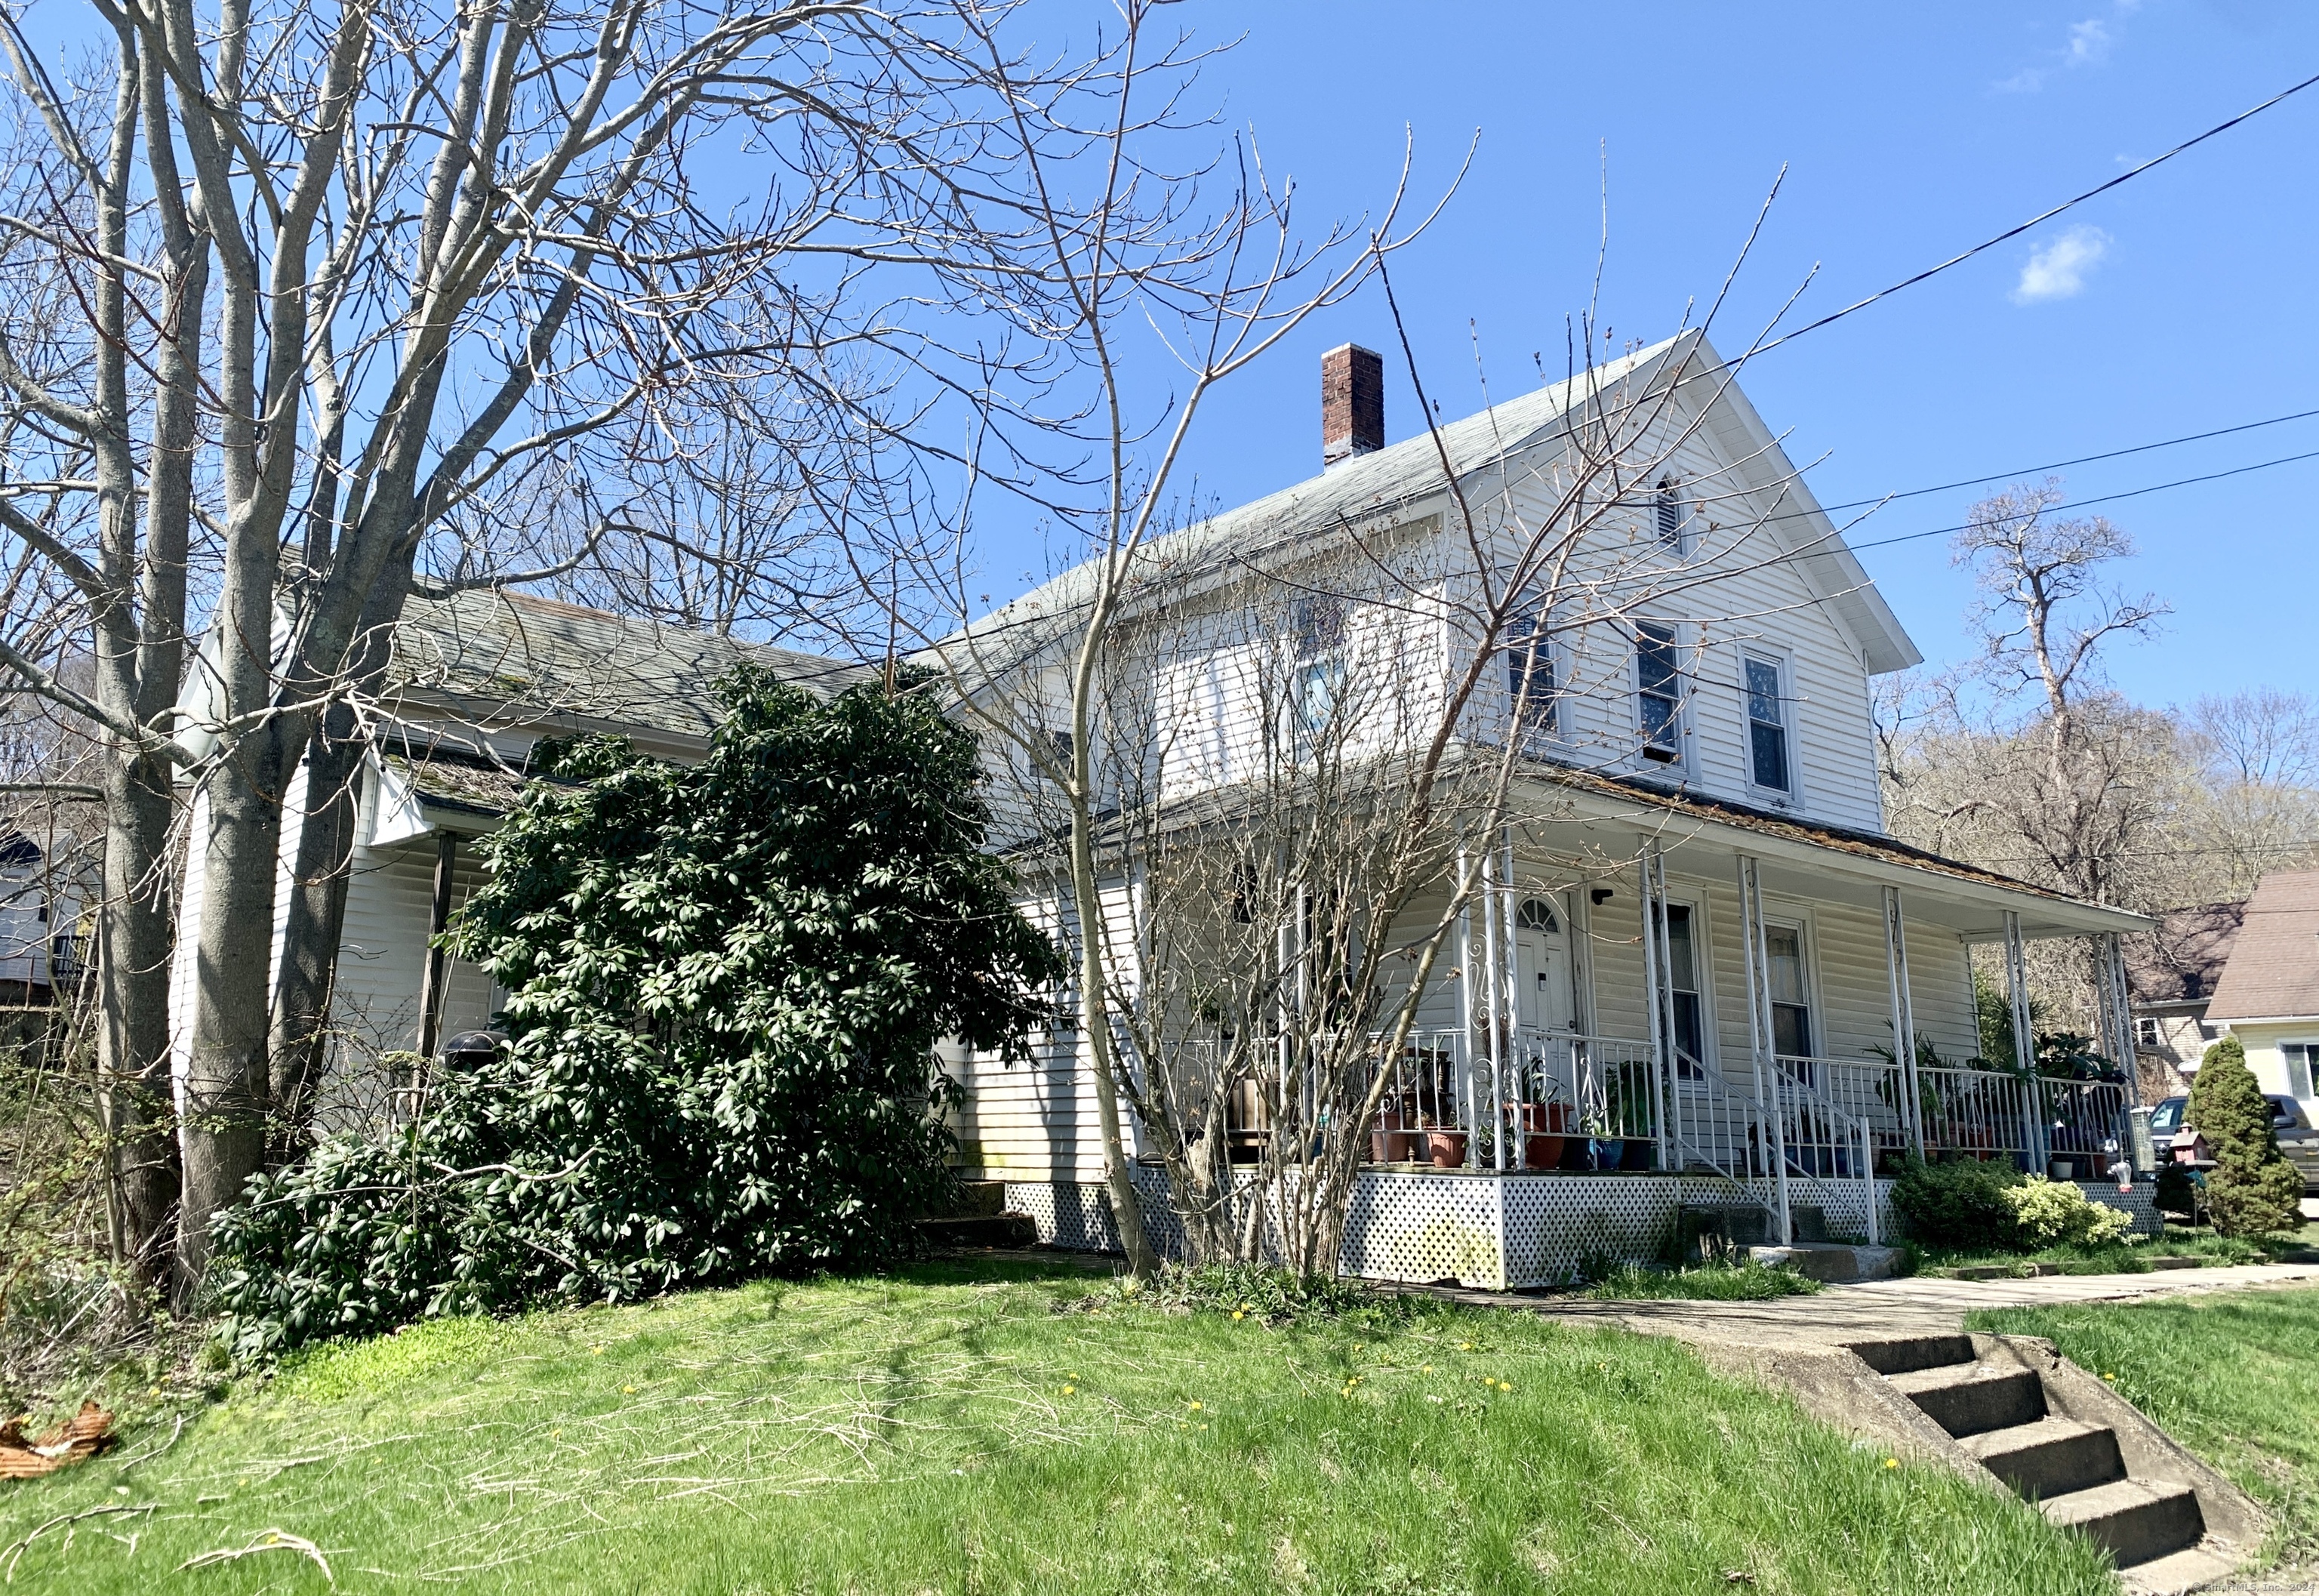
(2043, 216)
(1999, 476)
(2184, 481)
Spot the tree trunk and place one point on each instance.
(134, 952)
(312, 931)
(226, 1076)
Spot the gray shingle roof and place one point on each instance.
(509, 655)
(2273, 971)
(1407, 475)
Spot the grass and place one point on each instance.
(2126, 1257)
(991, 1428)
(1742, 1282)
(2234, 1376)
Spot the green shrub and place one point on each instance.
(2059, 1214)
(2178, 1192)
(2251, 1188)
(728, 982)
(1963, 1205)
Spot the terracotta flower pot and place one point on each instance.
(1393, 1147)
(1447, 1149)
(1542, 1152)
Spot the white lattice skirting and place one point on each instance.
(1499, 1232)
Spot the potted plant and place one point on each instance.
(1446, 1147)
(1604, 1147)
(1393, 1141)
(1627, 1106)
(1545, 1126)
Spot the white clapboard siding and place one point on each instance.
(383, 949)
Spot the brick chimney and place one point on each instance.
(1352, 403)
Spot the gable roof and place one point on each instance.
(504, 655)
(1406, 476)
(2182, 961)
(2273, 971)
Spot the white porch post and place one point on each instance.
(1904, 1019)
(1646, 907)
(1659, 983)
(1510, 984)
(2118, 1006)
(1760, 1035)
(1493, 913)
(2025, 1043)
(1467, 1002)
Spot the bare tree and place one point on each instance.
(312, 309)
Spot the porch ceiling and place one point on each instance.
(1802, 861)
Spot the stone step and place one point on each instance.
(1831, 1261)
(1975, 1398)
(2053, 1456)
(1905, 1354)
(2177, 1574)
(2139, 1520)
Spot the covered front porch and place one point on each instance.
(1724, 1008)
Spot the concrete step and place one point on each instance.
(2053, 1456)
(1975, 1398)
(2139, 1520)
(1905, 1354)
(1831, 1261)
(2177, 1574)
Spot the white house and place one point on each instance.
(2268, 993)
(1697, 897)
(475, 680)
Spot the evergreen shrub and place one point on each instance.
(1965, 1205)
(2251, 1188)
(728, 982)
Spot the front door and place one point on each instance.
(1542, 989)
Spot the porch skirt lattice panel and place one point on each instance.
(1558, 1224)
(1423, 1229)
(2140, 1202)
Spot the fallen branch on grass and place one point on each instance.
(15, 1549)
(265, 1541)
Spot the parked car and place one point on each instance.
(2297, 1139)
(2174, 1141)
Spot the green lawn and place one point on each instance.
(990, 1428)
(2130, 1257)
(2234, 1376)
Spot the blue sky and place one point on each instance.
(2180, 302)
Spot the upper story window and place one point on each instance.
(1658, 691)
(1530, 685)
(1666, 507)
(1317, 683)
(1767, 725)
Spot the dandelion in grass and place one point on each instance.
(1891, 1463)
(1071, 1391)
(2111, 1378)
(627, 1391)
(1195, 1407)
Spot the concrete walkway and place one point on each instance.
(1877, 1308)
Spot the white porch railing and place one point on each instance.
(1539, 1100)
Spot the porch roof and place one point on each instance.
(1812, 860)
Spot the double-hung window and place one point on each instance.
(1768, 759)
(1658, 689)
(1792, 1021)
(1319, 680)
(1529, 679)
(1682, 980)
(2301, 1059)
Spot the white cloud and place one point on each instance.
(2088, 44)
(2058, 269)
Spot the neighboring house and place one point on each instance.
(1762, 939)
(2171, 974)
(2268, 993)
(476, 680)
(42, 945)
